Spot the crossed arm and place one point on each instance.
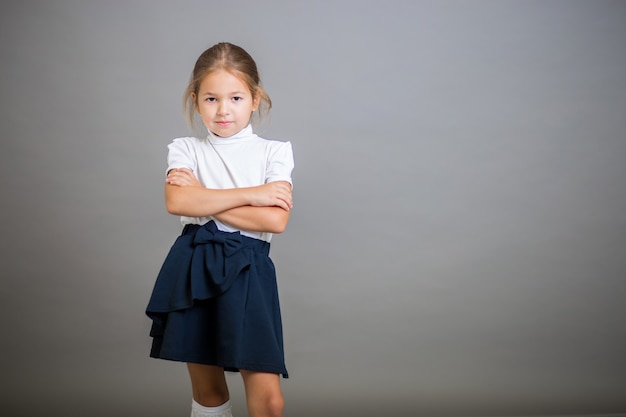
(264, 208)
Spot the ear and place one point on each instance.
(195, 101)
(257, 99)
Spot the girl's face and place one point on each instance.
(225, 103)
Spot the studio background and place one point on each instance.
(458, 241)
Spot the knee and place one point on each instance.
(268, 406)
(208, 384)
(263, 394)
(274, 405)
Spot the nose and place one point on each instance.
(222, 108)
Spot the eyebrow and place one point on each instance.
(234, 93)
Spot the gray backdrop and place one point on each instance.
(458, 242)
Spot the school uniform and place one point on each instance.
(215, 300)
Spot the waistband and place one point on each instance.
(210, 231)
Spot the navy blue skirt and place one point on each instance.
(215, 302)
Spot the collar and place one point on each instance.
(244, 134)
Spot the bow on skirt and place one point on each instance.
(203, 263)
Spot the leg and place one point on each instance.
(263, 394)
(208, 384)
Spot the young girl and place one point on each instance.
(215, 300)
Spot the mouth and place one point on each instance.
(223, 123)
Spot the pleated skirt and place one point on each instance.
(215, 302)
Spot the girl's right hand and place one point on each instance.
(272, 194)
(182, 177)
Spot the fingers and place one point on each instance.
(282, 191)
(284, 196)
(181, 177)
(284, 204)
(273, 194)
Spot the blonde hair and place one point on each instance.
(234, 59)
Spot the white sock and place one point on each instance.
(223, 410)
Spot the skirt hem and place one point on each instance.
(230, 367)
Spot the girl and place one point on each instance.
(215, 300)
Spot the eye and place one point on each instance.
(237, 98)
(210, 99)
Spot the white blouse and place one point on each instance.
(241, 160)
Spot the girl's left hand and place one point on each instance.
(182, 177)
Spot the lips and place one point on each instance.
(223, 123)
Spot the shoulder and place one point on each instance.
(186, 144)
(278, 153)
(184, 151)
(273, 145)
(188, 141)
